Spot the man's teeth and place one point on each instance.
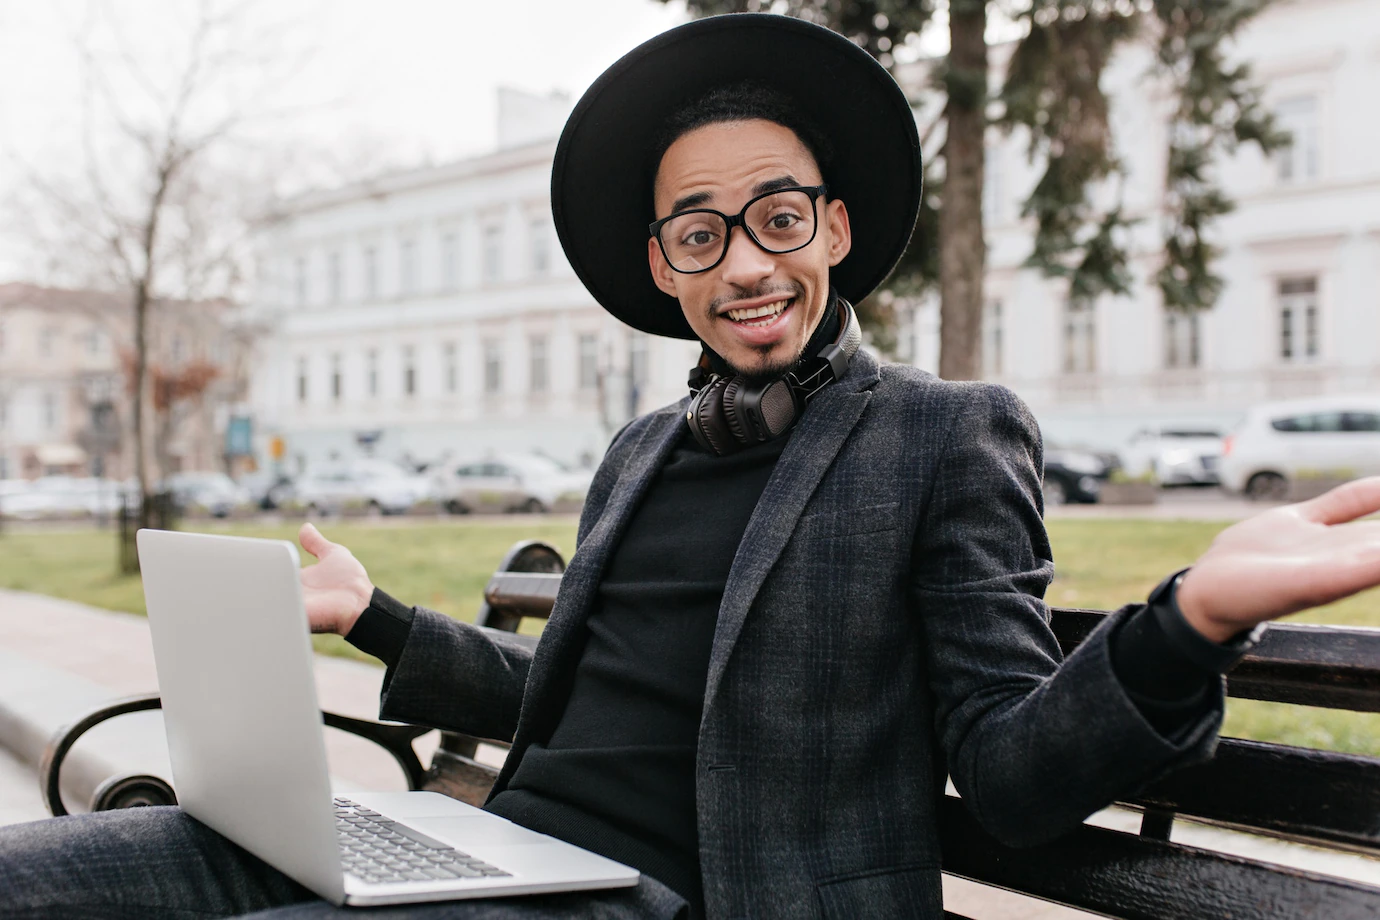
(763, 314)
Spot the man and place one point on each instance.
(799, 600)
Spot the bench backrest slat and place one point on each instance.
(1290, 792)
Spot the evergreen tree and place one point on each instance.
(1053, 88)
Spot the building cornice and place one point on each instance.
(535, 154)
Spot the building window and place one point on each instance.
(589, 361)
(450, 261)
(493, 366)
(536, 364)
(371, 363)
(4, 414)
(493, 254)
(1080, 338)
(46, 336)
(301, 380)
(371, 273)
(1182, 339)
(452, 367)
(95, 341)
(407, 267)
(541, 248)
(300, 282)
(178, 346)
(992, 339)
(409, 370)
(1300, 161)
(334, 279)
(49, 411)
(2, 338)
(335, 377)
(1298, 320)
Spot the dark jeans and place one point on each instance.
(155, 863)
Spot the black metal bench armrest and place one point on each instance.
(127, 790)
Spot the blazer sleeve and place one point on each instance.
(458, 677)
(1033, 745)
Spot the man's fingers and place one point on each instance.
(1347, 502)
(313, 542)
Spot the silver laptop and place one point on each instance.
(234, 657)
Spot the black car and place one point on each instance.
(1075, 475)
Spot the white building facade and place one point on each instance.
(434, 311)
(432, 315)
(1300, 311)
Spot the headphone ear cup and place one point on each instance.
(706, 419)
(779, 407)
(733, 410)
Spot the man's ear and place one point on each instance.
(840, 233)
(662, 273)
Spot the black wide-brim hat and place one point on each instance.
(601, 182)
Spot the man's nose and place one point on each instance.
(745, 263)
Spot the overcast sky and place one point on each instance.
(422, 71)
(403, 80)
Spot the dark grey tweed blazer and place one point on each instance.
(882, 627)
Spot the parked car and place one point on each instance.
(1278, 442)
(1074, 475)
(516, 482)
(214, 493)
(59, 497)
(268, 489)
(1174, 455)
(371, 485)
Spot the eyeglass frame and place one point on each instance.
(739, 220)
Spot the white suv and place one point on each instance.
(1278, 442)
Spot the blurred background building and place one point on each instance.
(64, 393)
(1300, 311)
(431, 314)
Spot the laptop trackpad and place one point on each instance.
(486, 829)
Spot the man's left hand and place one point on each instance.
(1284, 561)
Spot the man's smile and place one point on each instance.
(760, 316)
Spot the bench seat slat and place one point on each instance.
(1123, 875)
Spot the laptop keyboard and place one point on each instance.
(378, 849)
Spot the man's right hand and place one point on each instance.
(336, 589)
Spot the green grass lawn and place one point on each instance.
(445, 564)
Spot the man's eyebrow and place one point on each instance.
(772, 185)
(693, 200)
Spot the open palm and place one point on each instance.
(1286, 560)
(336, 589)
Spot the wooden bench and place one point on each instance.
(1320, 798)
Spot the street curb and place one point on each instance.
(36, 701)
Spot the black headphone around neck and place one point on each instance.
(728, 414)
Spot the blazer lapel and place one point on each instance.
(581, 579)
(817, 439)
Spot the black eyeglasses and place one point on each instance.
(781, 221)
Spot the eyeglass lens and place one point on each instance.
(780, 222)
